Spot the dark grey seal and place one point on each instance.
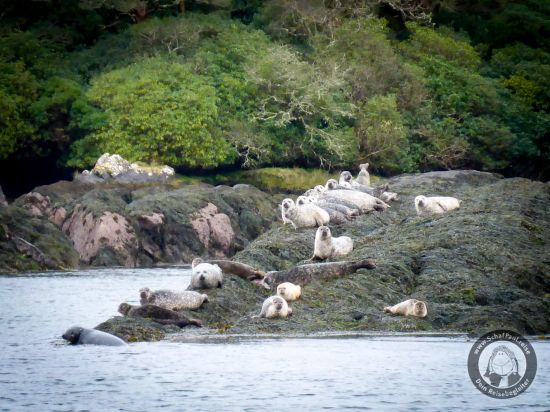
(304, 274)
(78, 335)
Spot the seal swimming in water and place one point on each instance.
(289, 291)
(436, 204)
(77, 335)
(304, 274)
(158, 314)
(410, 307)
(327, 246)
(172, 300)
(275, 307)
(239, 269)
(205, 275)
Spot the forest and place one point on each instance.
(203, 86)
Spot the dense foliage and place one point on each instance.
(278, 83)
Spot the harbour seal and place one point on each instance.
(388, 196)
(435, 204)
(304, 274)
(327, 246)
(363, 201)
(410, 307)
(205, 275)
(172, 300)
(289, 291)
(157, 314)
(353, 185)
(275, 307)
(344, 181)
(363, 177)
(332, 184)
(239, 269)
(77, 335)
(304, 216)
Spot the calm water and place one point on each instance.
(39, 372)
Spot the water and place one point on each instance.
(39, 372)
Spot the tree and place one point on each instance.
(156, 111)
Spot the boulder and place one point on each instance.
(114, 167)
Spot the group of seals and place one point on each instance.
(336, 202)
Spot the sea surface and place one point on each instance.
(40, 372)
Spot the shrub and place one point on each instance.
(156, 111)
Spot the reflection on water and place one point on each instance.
(39, 372)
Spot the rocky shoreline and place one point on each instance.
(481, 267)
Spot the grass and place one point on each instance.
(270, 179)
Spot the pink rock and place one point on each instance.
(88, 234)
(58, 216)
(152, 220)
(36, 203)
(214, 230)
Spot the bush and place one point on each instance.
(295, 95)
(382, 135)
(156, 111)
(18, 90)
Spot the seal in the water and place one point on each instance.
(239, 269)
(289, 291)
(410, 307)
(158, 314)
(304, 274)
(436, 204)
(327, 246)
(275, 307)
(169, 299)
(78, 335)
(363, 177)
(205, 275)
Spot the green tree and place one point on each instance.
(383, 135)
(155, 111)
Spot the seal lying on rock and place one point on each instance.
(275, 307)
(388, 196)
(327, 246)
(304, 274)
(172, 300)
(304, 216)
(78, 335)
(410, 307)
(205, 275)
(362, 201)
(436, 204)
(158, 314)
(289, 291)
(239, 269)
